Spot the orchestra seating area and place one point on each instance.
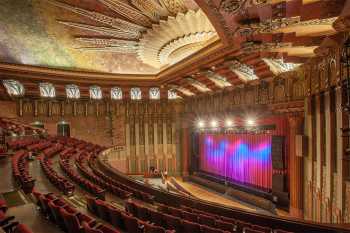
(142, 211)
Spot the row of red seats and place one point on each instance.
(84, 183)
(39, 146)
(176, 223)
(213, 220)
(60, 182)
(136, 193)
(80, 164)
(21, 143)
(8, 224)
(122, 219)
(68, 218)
(21, 172)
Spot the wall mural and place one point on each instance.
(99, 35)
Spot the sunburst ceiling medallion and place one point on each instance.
(176, 38)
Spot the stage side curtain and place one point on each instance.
(243, 158)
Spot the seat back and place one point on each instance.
(191, 227)
(130, 223)
(115, 217)
(71, 221)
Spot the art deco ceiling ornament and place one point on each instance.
(183, 90)
(172, 95)
(175, 38)
(13, 87)
(278, 66)
(217, 79)
(47, 90)
(243, 71)
(160, 32)
(198, 85)
(72, 91)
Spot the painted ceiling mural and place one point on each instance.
(115, 36)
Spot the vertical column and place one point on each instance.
(296, 167)
(185, 138)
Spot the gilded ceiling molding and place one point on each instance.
(103, 30)
(128, 12)
(243, 71)
(217, 79)
(98, 17)
(198, 85)
(278, 66)
(183, 90)
(151, 8)
(157, 44)
(108, 45)
(174, 6)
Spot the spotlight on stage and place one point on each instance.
(228, 123)
(200, 124)
(214, 123)
(250, 122)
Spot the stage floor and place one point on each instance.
(206, 194)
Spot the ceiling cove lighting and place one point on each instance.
(214, 123)
(250, 122)
(228, 123)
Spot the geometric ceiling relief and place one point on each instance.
(278, 66)
(13, 87)
(217, 79)
(47, 90)
(243, 71)
(157, 33)
(200, 86)
(183, 90)
(176, 38)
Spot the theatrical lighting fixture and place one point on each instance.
(214, 123)
(200, 124)
(250, 122)
(229, 123)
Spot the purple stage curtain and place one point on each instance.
(242, 158)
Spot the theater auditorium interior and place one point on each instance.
(175, 116)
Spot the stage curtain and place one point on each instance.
(241, 158)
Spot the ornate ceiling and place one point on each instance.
(192, 46)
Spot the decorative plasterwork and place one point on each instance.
(135, 93)
(98, 17)
(153, 9)
(13, 87)
(116, 45)
(158, 43)
(277, 66)
(47, 90)
(198, 85)
(243, 71)
(72, 91)
(217, 79)
(172, 95)
(127, 11)
(116, 93)
(180, 48)
(95, 92)
(183, 90)
(154, 93)
(114, 32)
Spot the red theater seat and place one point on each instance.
(21, 228)
(172, 222)
(156, 217)
(102, 210)
(55, 206)
(115, 217)
(282, 231)
(207, 229)
(98, 229)
(143, 213)
(191, 227)
(189, 216)
(206, 220)
(91, 204)
(132, 224)
(250, 230)
(227, 226)
(73, 220)
(175, 212)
